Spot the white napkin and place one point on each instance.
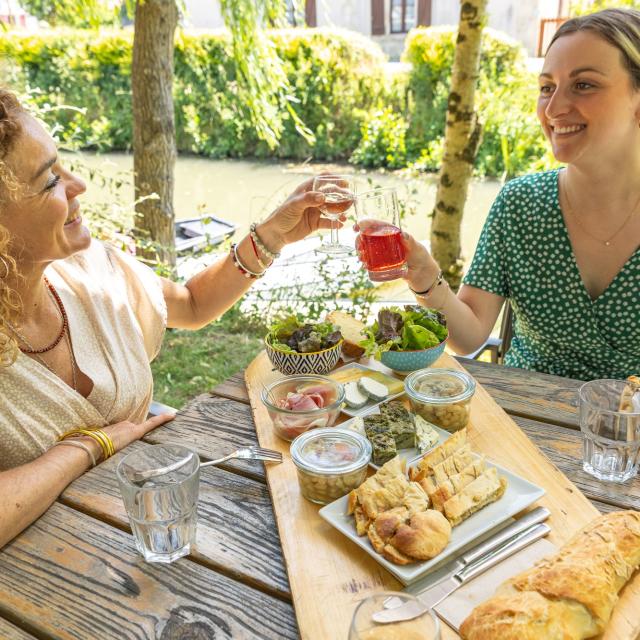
(461, 602)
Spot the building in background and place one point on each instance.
(387, 22)
(11, 13)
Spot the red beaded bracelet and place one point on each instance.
(247, 273)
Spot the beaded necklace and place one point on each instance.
(64, 333)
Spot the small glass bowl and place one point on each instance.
(330, 463)
(289, 424)
(424, 627)
(441, 396)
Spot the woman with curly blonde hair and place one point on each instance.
(80, 321)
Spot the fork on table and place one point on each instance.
(246, 453)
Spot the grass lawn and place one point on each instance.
(192, 362)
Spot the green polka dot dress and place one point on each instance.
(524, 254)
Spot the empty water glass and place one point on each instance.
(424, 626)
(610, 430)
(162, 510)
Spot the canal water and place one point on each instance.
(244, 191)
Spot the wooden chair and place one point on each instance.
(499, 346)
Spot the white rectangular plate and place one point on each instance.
(372, 403)
(520, 493)
(410, 455)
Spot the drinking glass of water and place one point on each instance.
(163, 509)
(610, 430)
(339, 193)
(424, 626)
(379, 242)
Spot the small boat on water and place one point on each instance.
(196, 233)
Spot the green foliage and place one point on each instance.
(76, 13)
(512, 140)
(335, 78)
(193, 362)
(263, 85)
(383, 140)
(582, 7)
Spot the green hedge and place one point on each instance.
(341, 90)
(337, 77)
(505, 98)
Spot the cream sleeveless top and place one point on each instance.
(117, 318)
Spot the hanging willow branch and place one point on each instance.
(262, 83)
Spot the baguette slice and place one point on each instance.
(485, 489)
(425, 467)
(351, 330)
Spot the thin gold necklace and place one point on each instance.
(607, 241)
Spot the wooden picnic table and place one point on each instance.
(75, 573)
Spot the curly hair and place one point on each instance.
(10, 109)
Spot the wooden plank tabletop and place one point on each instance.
(75, 573)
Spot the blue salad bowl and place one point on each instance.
(405, 361)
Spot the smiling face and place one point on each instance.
(44, 220)
(587, 105)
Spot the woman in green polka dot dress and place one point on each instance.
(563, 246)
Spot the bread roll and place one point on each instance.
(568, 596)
(351, 330)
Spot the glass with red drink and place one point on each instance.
(379, 242)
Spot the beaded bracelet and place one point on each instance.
(80, 445)
(436, 283)
(254, 234)
(247, 273)
(261, 264)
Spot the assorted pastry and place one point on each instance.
(408, 519)
(566, 596)
(630, 397)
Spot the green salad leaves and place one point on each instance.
(407, 329)
(294, 336)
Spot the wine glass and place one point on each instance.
(425, 626)
(339, 192)
(379, 242)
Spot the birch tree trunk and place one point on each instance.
(154, 147)
(462, 138)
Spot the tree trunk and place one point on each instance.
(154, 146)
(462, 137)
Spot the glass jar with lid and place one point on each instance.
(441, 396)
(330, 463)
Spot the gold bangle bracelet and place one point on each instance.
(105, 442)
(108, 441)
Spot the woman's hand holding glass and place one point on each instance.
(339, 193)
(298, 216)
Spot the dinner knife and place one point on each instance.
(535, 516)
(436, 594)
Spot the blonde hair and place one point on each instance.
(619, 27)
(10, 109)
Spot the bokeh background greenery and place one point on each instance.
(343, 93)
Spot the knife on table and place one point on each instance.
(436, 594)
(535, 516)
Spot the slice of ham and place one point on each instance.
(302, 402)
(324, 390)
